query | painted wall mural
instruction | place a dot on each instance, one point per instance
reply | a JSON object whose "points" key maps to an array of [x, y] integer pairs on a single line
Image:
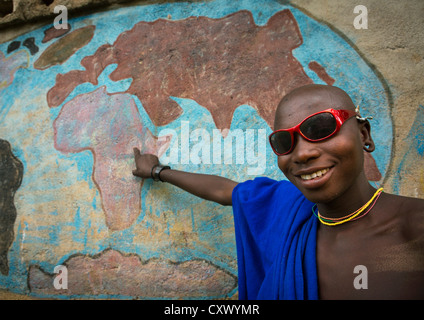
{"points": [[196, 84]]}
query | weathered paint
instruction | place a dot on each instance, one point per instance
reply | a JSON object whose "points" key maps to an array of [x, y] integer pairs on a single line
{"points": [[61, 50], [409, 166]]}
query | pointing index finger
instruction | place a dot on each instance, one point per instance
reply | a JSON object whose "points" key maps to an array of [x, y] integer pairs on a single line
{"points": [[136, 151]]}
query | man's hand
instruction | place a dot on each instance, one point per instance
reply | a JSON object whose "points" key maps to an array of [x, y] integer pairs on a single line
{"points": [[144, 164]]}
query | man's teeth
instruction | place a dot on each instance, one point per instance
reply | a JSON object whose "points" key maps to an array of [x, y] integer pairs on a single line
{"points": [[314, 175]]}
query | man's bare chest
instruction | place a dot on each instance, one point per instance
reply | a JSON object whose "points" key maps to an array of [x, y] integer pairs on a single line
{"points": [[370, 270]]}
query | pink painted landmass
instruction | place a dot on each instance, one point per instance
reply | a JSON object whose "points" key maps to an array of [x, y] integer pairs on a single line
{"points": [[8, 66], [109, 126], [111, 272]]}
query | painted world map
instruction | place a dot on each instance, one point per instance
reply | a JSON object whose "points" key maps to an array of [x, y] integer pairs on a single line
{"points": [[220, 63], [74, 102]]}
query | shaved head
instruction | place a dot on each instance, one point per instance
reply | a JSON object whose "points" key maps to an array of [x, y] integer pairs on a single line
{"points": [[312, 98]]}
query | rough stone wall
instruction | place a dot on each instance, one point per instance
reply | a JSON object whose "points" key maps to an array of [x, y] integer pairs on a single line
{"points": [[14, 12], [73, 103]]}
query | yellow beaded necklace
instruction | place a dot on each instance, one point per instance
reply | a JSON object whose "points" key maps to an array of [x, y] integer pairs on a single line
{"points": [[349, 217]]}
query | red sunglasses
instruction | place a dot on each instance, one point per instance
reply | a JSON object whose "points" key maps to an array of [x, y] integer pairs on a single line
{"points": [[316, 127]]}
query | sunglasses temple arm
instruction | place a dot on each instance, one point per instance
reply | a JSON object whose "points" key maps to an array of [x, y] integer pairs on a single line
{"points": [[364, 118], [359, 117]]}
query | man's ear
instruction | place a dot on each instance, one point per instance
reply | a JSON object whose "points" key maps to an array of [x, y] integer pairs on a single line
{"points": [[367, 141]]}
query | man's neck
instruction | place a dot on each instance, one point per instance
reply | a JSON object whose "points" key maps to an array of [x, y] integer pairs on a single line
{"points": [[348, 202]]}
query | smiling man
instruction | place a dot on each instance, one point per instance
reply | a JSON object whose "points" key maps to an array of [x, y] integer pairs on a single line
{"points": [[305, 238]]}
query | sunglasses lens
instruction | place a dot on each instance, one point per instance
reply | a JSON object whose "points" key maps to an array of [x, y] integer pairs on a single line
{"points": [[281, 141], [319, 126]]}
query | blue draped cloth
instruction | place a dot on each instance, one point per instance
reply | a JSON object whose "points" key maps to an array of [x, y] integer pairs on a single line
{"points": [[276, 241]]}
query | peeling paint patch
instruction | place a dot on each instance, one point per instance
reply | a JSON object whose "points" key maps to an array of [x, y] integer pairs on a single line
{"points": [[64, 48]]}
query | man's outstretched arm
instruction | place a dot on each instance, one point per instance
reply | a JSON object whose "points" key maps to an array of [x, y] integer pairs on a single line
{"points": [[205, 186]]}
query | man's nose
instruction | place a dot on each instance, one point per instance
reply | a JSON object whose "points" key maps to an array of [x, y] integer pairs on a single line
{"points": [[304, 150]]}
